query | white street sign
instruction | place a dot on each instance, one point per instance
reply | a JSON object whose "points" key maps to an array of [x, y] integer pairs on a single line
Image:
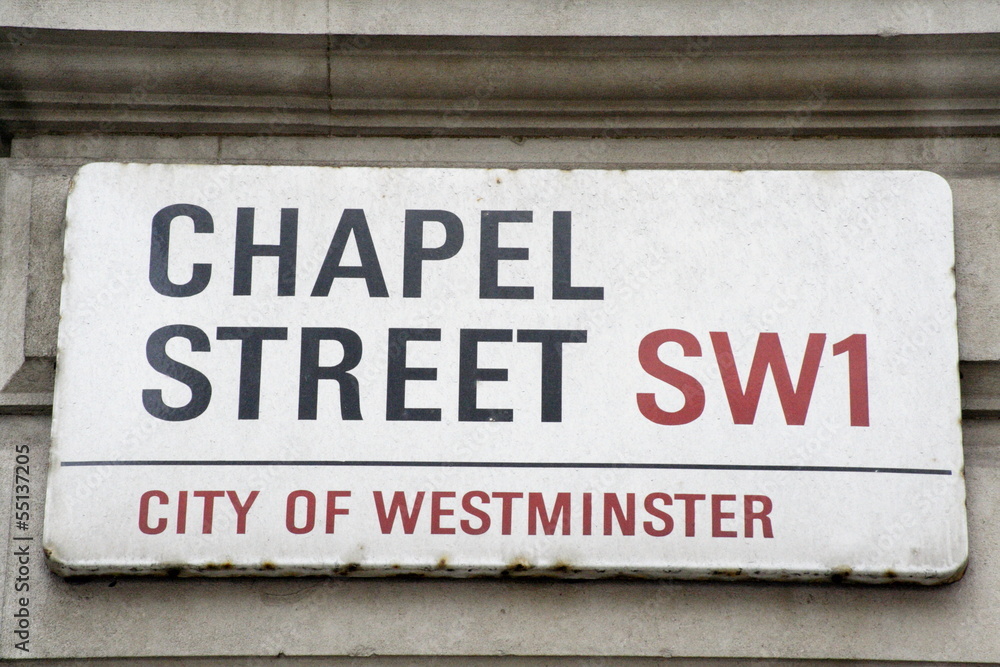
{"points": [[486, 371]]}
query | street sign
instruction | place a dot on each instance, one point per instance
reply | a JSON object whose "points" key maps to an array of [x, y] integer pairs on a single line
{"points": [[583, 373]]}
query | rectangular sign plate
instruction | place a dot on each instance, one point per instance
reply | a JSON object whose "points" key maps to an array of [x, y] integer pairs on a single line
{"points": [[456, 372]]}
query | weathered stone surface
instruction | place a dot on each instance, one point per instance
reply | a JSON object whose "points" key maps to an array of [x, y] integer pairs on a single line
{"points": [[30, 277], [48, 210], [520, 17], [977, 258], [15, 208]]}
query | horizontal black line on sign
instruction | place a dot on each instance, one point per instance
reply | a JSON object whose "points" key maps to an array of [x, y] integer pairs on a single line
{"points": [[520, 464]]}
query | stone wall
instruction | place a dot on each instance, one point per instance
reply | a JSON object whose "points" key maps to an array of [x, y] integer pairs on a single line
{"points": [[719, 85]]}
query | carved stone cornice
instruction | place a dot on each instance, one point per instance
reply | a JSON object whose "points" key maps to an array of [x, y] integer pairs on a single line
{"points": [[67, 81]]}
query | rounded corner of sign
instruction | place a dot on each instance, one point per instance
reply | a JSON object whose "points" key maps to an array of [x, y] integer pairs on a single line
{"points": [[934, 181], [57, 565], [84, 173], [952, 574], [86, 169]]}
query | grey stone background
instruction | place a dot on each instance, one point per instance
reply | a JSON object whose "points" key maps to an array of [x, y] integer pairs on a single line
{"points": [[775, 84]]}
